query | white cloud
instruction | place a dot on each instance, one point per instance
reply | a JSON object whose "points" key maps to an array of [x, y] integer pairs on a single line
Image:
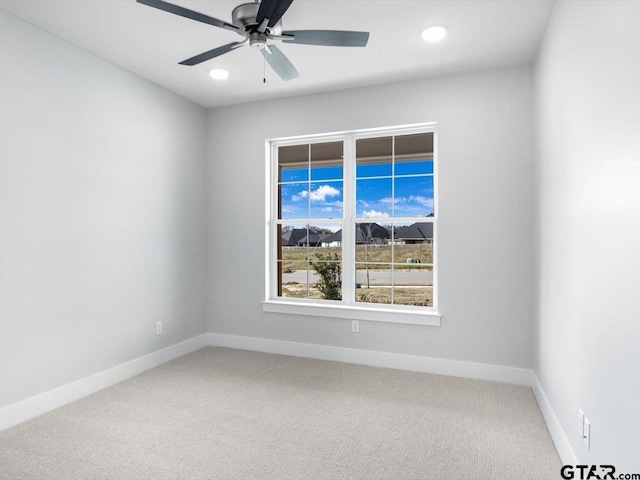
{"points": [[420, 200], [327, 209], [322, 192], [374, 214], [300, 196], [389, 200]]}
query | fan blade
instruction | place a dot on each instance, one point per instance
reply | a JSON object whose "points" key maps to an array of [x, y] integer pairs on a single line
{"points": [[216, 52], [329, 38], [280, 63], [184, 12], [273, 10]]}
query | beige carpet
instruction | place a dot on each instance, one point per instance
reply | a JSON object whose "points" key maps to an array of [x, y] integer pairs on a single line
{"points": [[229, 414]]}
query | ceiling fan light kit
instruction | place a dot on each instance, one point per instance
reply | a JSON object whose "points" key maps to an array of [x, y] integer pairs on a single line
{"points": [[435, 33], [259, 24], [218, 74]]}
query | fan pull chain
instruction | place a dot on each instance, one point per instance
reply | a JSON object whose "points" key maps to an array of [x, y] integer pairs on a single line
{"points": [[264, 70]]}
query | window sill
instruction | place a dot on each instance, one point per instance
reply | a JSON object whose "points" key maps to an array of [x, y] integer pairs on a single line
{"points": [[373, 314]]}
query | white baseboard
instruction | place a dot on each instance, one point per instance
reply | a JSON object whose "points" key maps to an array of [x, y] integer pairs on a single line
{"points": [[558, 435], [455, 368], [32, 407]]}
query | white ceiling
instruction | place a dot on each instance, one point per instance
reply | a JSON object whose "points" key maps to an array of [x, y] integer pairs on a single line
{"points": [[483, 34]]}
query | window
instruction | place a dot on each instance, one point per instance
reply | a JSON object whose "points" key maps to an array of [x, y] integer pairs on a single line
{"points": [[351, 225]]}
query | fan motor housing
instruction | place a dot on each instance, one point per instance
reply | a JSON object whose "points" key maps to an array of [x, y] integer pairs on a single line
{"points": [[244, 17], [257, 40], [245, 14]]}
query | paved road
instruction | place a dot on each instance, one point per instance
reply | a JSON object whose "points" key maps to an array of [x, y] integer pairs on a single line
{"points": [[378, 277]]}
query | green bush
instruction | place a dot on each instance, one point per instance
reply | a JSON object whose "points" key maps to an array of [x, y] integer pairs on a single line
{"points": [[330, 272]]}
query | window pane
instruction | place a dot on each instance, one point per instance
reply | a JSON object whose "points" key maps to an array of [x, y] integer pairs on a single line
{"points": [[413, 243], [373, 243], [413, 196], [326, 200], [373, 283], [414, 167], [373, 157], [294, 242], [413, 286], [325, 254], [324, 242], [294, 200], [326, 161], [414, 154], [294, 283], [325, 280], [293, 163], [373, 198], [333, 241], [293, 174], [417, 296]]}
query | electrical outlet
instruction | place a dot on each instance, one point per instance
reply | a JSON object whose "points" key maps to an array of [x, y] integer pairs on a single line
{"points": [[158, 328], [355, 326], [580, 422], [586, 434]]}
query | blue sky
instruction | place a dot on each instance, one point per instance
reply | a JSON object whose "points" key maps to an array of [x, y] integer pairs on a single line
{"points": [[413, 194]]}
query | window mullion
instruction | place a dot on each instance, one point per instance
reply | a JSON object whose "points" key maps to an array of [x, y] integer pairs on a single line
{"points": [[348, 227], [393, 215], [308, 219], [272, 226]]}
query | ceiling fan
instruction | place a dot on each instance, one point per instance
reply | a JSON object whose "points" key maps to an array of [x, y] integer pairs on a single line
{"points": [[259, 24]]}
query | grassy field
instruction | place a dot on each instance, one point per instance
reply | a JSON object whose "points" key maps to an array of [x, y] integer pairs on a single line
{"points": [[373, 254]]}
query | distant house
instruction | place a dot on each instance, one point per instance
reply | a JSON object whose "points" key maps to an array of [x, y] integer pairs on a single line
{"points": [[297, 237], [374, 233], [312, 240], [293, 236], [333, 240], [416, 234]]}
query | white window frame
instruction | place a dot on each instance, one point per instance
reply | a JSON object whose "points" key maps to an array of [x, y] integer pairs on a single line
{"points": [[347, 307]]}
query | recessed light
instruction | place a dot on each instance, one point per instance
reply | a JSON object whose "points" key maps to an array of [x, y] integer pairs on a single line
{"points": [[219, 74], [435, 33]]}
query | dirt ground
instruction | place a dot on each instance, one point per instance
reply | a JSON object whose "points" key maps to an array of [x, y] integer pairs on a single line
{"points": [[420, 296]]}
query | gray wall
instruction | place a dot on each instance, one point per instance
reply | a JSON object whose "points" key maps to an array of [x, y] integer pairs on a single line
{"points": [[588, 331], [486, 209], [102, 214]]}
